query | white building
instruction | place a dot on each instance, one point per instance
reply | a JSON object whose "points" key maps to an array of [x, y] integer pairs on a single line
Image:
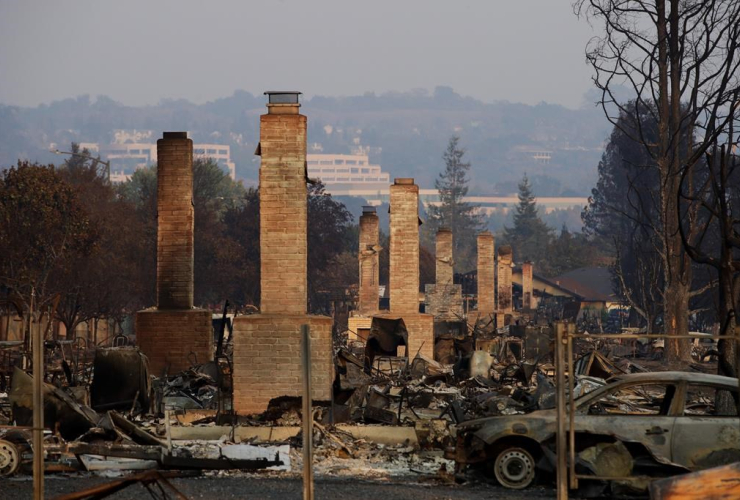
{"points": [[126, 158], [343, 174]]}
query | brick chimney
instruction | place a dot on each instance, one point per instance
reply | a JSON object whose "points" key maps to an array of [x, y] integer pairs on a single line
{"points": [[175, 221], [267, 353], [283, 207], [444, 257], [486, 274], [527, 286], [505, 259], [404, 251], [368, 255], [174, 334]]}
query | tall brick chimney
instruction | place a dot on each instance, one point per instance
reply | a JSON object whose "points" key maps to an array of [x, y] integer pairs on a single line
{"points": [[527, 286], [368, 255], [267, 354], [174, 332], [505, 259], [404, 267], [404, 251], [283, 208], [175, 221], [486, 274], [444, 257]]}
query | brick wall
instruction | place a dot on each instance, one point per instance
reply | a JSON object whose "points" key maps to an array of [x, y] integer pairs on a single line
{"points": [[444, 302], [283, 213], [168, 337], [361, 325], [420, 328], [527, 286], [267, 359], [486, 274], [404, 251], [369, 264], [444, 257], [504, 279], [175, 221]]}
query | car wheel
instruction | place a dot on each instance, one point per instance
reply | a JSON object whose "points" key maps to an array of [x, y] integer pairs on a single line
{"points": [[514, 468], [10, 458]]}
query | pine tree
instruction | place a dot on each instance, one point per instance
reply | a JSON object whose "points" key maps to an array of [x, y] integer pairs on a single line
{"points": [[530, 235], [452, 212]]}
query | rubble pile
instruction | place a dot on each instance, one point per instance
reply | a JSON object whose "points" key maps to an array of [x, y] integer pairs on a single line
{"points": [[390, 416]]}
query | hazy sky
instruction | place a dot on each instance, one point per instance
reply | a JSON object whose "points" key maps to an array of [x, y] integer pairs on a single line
{"points": [[140, 51]]}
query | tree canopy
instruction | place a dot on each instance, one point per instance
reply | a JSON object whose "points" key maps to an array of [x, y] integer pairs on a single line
{"points": [[453, 212], [530, 236]]}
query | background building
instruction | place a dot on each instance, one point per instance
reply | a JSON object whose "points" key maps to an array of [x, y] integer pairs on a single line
{"points": [[126, 156]]}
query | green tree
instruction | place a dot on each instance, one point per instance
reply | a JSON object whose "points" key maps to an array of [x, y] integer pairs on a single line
{"points": [[453, 212], [530, 236], [569, 251]]}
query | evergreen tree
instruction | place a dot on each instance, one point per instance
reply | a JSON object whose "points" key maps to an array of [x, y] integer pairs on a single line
{"points": [[530, 236], [452, 212]]}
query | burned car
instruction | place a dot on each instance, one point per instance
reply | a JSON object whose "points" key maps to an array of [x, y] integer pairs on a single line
{"points": [[663, 422]]}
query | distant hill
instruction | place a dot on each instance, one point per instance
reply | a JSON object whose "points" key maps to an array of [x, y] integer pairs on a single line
{"points": [[405, 132]]}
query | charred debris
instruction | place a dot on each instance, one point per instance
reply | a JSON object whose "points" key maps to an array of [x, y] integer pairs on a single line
{"points": [[104, 409]]}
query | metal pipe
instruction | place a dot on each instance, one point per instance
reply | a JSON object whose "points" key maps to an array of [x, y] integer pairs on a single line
{"points": [[38, 406], [562, 473], [307, 415]]}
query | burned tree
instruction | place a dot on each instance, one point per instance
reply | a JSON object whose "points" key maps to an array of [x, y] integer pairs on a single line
{"points": [[680, 61], [710, 199]]}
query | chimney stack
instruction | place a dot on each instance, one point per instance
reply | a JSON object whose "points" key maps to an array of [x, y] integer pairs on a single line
{"points": [[283, 206], [267, 353], [175, 221], [505, 259], [174, 332], [527, 286], [368, 255], [445, 264], [486, 274], [404, 251]]}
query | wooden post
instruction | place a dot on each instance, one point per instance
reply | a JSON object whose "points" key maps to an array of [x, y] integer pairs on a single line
{"points": [[562, 472], [38, 405], [307, 415], [570, 329]]}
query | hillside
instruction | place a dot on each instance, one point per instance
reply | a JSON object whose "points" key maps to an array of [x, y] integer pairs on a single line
{"points": [[404, 132]]}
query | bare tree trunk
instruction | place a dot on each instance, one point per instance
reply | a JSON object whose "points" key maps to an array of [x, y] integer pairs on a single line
{"points": [[676, 322], [727, 365]]}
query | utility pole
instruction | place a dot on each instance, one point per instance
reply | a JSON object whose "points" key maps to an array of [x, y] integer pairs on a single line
{"points": [[307, 415], [38, 405]]}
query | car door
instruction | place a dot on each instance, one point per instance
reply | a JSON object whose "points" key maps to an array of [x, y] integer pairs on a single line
{"points": [[703, 437], [638, 412]]}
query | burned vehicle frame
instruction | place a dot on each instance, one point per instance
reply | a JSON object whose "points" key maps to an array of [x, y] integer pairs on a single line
{"points": [[665, 420]]}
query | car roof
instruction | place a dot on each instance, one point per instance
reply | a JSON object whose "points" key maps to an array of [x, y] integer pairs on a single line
{"points": [[676, 376]]}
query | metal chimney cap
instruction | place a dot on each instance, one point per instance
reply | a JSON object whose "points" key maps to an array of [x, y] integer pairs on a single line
{"points": [[174, 135], [283, 96], [368, 209]]}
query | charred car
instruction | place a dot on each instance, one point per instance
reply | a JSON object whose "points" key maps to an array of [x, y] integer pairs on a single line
{"points": [[664, 422]]}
